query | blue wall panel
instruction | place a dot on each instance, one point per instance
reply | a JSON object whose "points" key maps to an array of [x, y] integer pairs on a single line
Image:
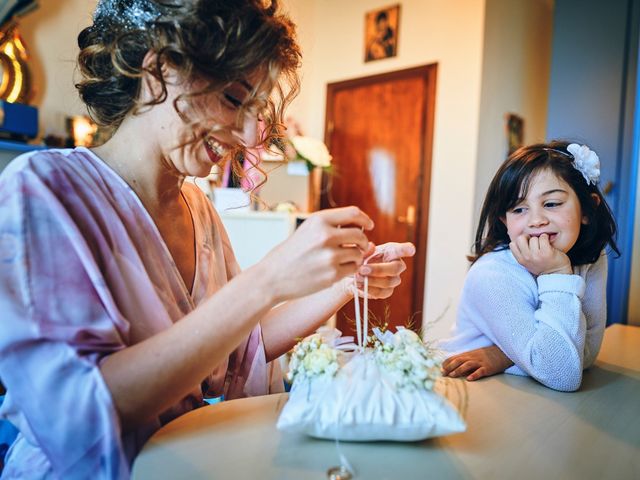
{"points": [[592, 100]]}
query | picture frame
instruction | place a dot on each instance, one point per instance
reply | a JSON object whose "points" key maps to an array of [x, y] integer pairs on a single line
{"points": [[381, 33], [514, 126]]}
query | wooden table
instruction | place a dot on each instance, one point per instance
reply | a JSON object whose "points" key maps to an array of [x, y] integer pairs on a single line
{"points": [[517, 429]]}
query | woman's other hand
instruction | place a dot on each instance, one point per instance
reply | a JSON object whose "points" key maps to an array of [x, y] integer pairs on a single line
{"points": [[384, 266], [328, 246], [475, 364]]}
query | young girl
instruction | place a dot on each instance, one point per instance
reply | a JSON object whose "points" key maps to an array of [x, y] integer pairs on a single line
{"points": [[534, 300]]}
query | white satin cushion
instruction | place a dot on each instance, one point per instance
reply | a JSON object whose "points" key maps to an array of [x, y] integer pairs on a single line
{"points": [[361, 403]]}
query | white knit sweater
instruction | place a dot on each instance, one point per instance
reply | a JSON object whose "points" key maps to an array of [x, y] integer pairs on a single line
{"points": [[551, 327]]}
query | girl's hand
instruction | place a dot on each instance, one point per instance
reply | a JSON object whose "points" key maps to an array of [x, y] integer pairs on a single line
{"points": [[537, 255], [475, 364], [383, 268], [328, 246]]}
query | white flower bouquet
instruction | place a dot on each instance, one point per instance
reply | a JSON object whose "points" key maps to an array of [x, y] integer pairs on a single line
{"points": [[312, 151], [406, 359], [312, 357], [381, 389]]}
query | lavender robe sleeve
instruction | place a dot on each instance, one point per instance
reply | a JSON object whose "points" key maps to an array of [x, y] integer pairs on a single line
{"points": [[55, 326]]}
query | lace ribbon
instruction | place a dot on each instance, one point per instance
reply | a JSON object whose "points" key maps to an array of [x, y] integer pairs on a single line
{"points": [[362, 321], [345, 469]]}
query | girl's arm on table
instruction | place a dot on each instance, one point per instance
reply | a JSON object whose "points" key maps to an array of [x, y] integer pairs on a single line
{"points": [[543, 336], [477, 363]]}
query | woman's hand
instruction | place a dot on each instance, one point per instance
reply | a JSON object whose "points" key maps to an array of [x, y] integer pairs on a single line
{"points": [[328, 246], [300, 317], [383, 267], [537, 255], [475, 364]]}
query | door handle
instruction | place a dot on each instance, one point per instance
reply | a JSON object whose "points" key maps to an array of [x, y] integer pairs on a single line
{"points": [[410, 217]]}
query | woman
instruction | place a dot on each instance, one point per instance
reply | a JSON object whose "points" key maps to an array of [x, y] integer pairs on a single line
{"points": [[122, 302]]}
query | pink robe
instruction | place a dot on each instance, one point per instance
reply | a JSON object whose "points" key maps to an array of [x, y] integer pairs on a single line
{"points": [[84, 273]]}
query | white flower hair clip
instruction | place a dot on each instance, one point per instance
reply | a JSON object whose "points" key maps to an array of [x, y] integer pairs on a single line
{"points": [[586, 161]]}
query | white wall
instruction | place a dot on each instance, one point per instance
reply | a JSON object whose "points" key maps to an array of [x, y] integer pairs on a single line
{"points": [[281, 186], [515, 79], [50, 33], [431, 31]]}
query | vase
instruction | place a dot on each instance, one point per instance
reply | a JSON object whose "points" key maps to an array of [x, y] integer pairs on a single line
{"points": [[315, 189]]}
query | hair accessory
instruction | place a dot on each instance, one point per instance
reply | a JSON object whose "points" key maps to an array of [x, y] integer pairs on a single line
{"points": [[586, 161], [126, 14]]}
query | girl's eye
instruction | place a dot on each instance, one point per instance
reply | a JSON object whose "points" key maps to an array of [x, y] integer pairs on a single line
{"points": [[552, 204], [517, 210]]}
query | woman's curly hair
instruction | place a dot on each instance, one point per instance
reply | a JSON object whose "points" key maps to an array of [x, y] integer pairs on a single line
{"points": [[220, 41]]}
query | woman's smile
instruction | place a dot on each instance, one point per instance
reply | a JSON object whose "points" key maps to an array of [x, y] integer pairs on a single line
{"points": [[215, 150]]}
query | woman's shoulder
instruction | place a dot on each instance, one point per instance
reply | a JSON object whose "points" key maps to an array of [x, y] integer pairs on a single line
{"points": [[72, 182], [27, 161], [44, 164]]}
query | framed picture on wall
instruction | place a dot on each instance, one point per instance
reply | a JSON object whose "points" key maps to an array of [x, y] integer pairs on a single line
{"points": [[381, 33], [515, 132]]}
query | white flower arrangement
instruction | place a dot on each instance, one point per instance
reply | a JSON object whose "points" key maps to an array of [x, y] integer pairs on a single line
{"points": [[312, 151], [312, 357], [403, 355], [586, 161], [407, 359]]}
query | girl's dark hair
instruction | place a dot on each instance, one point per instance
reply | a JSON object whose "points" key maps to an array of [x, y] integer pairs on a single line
{"points": [[511, 184], [220, 41]]}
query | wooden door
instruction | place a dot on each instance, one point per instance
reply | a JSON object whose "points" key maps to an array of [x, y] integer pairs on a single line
{"points": [[379, 130]]}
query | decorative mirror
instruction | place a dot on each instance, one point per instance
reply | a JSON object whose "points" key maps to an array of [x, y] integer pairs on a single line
{"points": [[15, 79]]}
